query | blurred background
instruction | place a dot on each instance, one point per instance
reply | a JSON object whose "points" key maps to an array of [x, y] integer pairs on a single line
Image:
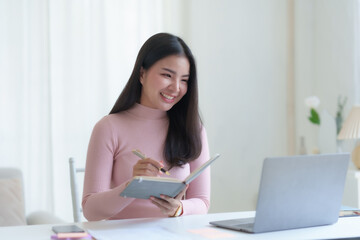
{"points": [[64, 63]]}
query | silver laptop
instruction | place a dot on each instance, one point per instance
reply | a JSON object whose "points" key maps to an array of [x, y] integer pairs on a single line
{"points": [[296, 192]]}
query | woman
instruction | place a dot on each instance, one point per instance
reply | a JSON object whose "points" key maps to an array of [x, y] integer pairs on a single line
{"points": [[157, 113]]}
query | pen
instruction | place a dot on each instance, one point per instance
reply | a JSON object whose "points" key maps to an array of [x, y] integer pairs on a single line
{"points": [[142, 156]]}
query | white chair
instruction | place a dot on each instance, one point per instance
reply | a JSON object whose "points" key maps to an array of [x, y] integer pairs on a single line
{"points": [[77, 210], [12, 202]]}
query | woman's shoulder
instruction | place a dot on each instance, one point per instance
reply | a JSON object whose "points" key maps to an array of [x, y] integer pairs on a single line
{"points": [[112, 117], [108, 121], [203, 132], [110, 126]]}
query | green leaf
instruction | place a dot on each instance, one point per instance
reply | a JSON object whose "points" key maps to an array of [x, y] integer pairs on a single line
{"points": [[314, 117]]}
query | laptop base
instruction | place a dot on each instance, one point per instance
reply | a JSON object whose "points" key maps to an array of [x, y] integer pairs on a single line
{"points": [[240, 224]]}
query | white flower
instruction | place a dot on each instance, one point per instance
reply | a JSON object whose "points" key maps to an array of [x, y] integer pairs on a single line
{"points": [[312, 102]]}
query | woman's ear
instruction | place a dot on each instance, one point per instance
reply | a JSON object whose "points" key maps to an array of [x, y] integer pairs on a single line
{"points": [[142, 72]]}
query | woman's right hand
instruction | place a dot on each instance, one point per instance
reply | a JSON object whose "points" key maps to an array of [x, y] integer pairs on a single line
{"points": [[147, 167]]}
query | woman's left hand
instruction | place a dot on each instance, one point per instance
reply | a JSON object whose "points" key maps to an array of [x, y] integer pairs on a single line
{"points": [[168, 205]]}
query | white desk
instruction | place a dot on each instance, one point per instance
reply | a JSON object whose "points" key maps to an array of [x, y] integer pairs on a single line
{"points": [[187, 227]]}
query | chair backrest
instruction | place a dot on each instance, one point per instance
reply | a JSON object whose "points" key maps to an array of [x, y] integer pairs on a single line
{"points": [[75, 195]]}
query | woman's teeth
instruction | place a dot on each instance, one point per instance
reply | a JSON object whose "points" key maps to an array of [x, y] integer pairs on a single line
{"points": [[167, 96]]}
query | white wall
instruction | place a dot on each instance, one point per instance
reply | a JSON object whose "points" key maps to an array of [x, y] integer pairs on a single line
{"points": [[325, 59], [241, 53], [327, 65]]}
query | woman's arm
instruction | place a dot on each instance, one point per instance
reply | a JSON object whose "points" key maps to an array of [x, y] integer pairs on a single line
{"points": [[99, 200], [198, 193]]}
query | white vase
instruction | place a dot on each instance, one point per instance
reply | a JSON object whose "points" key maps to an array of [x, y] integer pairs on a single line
{"points": [[327, 133]]}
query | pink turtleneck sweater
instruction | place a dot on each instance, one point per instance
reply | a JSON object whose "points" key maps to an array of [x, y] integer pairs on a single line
{"points": [[110, 163]]}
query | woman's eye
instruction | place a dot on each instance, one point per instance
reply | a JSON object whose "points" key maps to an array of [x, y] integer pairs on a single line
{"points": [[185, 80], [166, 75]]}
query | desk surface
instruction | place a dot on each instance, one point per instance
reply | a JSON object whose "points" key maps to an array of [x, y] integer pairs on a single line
{"points": [[187, 227]]}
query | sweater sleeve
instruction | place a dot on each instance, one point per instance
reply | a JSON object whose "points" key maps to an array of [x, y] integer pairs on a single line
{"points": [[198, 193], [101, 201]]}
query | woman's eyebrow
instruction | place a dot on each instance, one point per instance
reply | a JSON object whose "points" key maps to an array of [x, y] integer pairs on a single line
{"points": [[173, 72]]}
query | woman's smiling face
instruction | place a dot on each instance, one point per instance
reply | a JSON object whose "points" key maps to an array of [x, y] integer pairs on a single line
{"points": [[165, 82]]}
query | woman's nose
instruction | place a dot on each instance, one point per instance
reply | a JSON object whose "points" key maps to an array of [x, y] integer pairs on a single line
{"points": [[175, 85]]}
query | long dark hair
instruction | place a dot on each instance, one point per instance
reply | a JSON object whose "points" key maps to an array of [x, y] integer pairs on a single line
{"points": [[183, 140]]}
